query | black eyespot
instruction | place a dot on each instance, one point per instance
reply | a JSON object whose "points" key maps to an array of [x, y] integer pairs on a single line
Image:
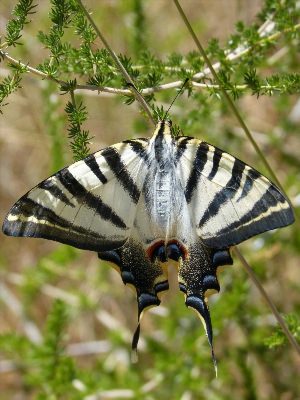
{"points": [[222, 257], [127, 277], [111, 256], [160, 253], [174, 252], [146, 300], [211, 282]]}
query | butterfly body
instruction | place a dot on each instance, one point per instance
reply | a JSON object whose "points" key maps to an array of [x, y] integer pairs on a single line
{"points": [[144, 202]]}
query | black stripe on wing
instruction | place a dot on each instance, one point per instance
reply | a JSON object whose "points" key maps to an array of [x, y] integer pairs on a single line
{"points": [[139, 148], [181, 142], [49, 225], [52, 188], [254, 222], [115, 163], [252, 175], [27, 208], [216, 162], [271, 198], [82, 195], [94, 167], [225, 194], [197, 167]]}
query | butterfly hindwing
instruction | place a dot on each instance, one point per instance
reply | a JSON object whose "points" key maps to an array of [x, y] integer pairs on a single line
{"points": [[91, 204], [140, 271], [229, 200]]}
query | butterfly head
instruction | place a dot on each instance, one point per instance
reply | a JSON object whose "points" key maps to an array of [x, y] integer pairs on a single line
{"points": [[165, 122], [162, 131]]}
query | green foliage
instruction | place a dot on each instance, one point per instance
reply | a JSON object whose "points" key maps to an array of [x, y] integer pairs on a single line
{"points": [[80, 138], [14, 27], [278, 337], [252, 81], [9, 85], [45, 366], [283, 83], [283, 12], [70, 41], [56, 371], [47, 271], [158, 112], [174, 358]]}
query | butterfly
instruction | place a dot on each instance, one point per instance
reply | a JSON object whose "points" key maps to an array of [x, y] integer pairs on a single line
{"points": [[143, 202]]}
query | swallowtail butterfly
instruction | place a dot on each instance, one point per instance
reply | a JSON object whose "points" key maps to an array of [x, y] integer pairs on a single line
{"points": [[143, 202]]}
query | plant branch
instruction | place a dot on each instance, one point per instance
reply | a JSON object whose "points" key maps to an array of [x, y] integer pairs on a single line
{"points": [[231, 56], [34, 71], [120, 66]]}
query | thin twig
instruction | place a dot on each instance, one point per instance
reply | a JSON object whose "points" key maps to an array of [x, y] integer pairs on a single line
{"points": [[30, 69], [268, 300], [118, 63], [226, 95]]}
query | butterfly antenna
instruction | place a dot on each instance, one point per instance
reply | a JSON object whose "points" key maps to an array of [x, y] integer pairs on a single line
{"points": [[178, 94]]}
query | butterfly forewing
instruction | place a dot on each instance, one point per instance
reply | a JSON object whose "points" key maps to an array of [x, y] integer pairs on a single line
{"points": [[90, 204], [229, 200]]}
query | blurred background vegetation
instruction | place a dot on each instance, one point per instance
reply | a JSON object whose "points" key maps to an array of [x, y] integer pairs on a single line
{"points": [[66, 319]]}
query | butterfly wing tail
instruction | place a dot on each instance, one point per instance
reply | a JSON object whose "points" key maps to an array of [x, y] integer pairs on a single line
{"points": [[198, 303], [198, 279], [146, 276]]}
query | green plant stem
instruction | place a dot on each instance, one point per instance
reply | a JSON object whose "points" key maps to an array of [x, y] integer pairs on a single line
{"points": [[226, 95], [268, 300], [120, 66], [73, 98]]}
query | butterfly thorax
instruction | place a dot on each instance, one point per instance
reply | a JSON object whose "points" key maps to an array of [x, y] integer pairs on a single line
{"points": [[164, 204], [162, 146]]}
